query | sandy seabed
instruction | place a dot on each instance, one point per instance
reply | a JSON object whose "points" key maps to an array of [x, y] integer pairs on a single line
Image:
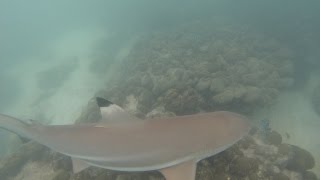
{"points": [[65, 105], [294, 117]]}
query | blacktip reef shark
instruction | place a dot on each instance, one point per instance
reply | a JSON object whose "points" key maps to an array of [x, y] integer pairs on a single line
{"points": [[171, 145]]}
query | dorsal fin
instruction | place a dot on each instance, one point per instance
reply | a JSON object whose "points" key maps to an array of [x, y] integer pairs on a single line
{"points": [[103, 102], [111, 112]]}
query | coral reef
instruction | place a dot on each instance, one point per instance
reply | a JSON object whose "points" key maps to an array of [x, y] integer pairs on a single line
{"points": [[36, 162], [35, 171], [205, 66], [255, 158], [11, 165]]}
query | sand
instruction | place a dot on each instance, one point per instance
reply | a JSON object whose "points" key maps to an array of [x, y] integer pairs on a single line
{"points": [[293, 115]]}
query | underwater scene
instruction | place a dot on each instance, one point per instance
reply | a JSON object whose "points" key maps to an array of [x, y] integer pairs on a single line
{"points": [[159, 90]]}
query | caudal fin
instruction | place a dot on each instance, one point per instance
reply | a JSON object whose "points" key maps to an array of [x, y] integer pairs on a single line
{"points": [[16, 126]]}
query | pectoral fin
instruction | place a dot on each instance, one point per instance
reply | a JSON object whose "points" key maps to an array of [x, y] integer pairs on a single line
{"points": [[183, 171], [79, 165]]}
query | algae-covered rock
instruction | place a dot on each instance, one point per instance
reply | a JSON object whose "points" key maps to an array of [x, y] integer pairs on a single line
{"points": [[308, 175], [59, 161], [226, 69], [280, 176], [62, 175], [181, 103], [91, 114], [244, 166], [301, 160], [274, 138], [298, 159], [203, 84], [12, 164]]}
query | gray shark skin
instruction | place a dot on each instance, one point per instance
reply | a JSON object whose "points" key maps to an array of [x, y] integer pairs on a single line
{"points": [[170, 145]]}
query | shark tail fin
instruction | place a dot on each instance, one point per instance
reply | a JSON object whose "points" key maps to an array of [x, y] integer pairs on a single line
{"points": [[16, 126]]}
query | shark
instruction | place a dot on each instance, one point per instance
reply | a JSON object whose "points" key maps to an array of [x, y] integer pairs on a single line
{"points": [[122, 142]]}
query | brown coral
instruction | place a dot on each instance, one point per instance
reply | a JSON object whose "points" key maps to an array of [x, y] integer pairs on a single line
{"points": [[223, 66]]}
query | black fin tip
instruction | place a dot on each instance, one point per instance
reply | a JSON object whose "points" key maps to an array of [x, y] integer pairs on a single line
{"points": [[103, 102]]}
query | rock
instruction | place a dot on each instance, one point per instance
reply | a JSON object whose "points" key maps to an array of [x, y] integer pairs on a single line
{"points": [[284, 149], [146, 98], [253, 95], [224, 97], [161, 85], [181, 103], [272, 170], [159, 112], [300, 160], [123, 177], [147, 82], [62, 175], [91, 114], [244, 166], [221, 176], [203, 84], [217, 85], [133, 176], [308, 175], [59, 161], [11, 165], [105, 175], [280, 176], [274, 138]]}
